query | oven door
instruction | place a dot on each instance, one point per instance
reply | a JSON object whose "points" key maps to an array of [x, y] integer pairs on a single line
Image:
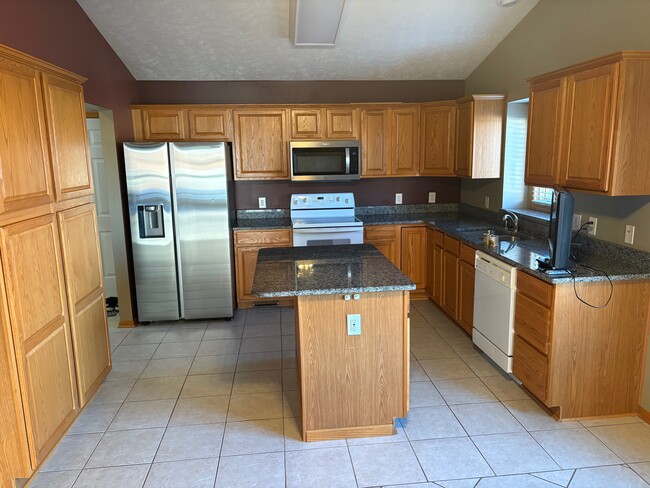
{"points": [[327, 236]]}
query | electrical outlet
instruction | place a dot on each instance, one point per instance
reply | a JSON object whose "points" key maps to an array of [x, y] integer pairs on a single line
{"points": [[432, 197], [261, 201], [354, 324], [487, 202], [591, 230], [577, 221], [398, 198], [629, 234]]}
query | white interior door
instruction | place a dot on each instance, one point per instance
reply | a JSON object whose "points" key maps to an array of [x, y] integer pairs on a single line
{"points": [[101, 200]]}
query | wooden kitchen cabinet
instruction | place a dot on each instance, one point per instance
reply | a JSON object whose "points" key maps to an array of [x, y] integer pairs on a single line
{"points": [[437, 263], [85, 294], [374, 142], [450, 267], [404, 141], [588, 126], [324, 123], [66, 120], [437, 139], [24, 153], [209, 124], [305, 123], [261, 144], [479, 133], [577, 360], [35, 290], [414, 257], [386, 238], [466, 288], [247, 245], [162, 124], [342, 123]]}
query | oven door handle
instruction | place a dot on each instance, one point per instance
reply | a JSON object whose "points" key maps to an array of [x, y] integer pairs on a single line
{"points": [[323, 230], [347, 160]]}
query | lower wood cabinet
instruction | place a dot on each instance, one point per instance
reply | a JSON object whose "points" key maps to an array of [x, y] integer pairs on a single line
{"points": [[436, 262], [386, 238], [35, 293], [466, 288], [414, 257], [247, 245], [450, 266]]}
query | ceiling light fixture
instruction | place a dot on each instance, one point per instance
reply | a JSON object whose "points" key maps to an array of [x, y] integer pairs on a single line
{"points": [[506, 3], [315, 23]]}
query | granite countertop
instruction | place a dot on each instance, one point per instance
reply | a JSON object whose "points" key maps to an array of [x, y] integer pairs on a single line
{"points": [[262, 224], [325, 270]]}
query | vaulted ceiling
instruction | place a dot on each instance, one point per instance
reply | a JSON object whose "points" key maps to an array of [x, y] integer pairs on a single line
{"points": [[249, 39]]}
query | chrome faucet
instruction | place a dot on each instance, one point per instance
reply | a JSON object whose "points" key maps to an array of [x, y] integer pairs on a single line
{"points": [[515, 220]]}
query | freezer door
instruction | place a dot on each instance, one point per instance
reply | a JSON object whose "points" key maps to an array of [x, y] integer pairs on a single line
{"points": [[203, 229], [152, 230]]}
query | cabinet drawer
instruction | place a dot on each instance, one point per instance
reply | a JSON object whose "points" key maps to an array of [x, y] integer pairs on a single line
{"points": [[535, 289], [452, 245], [438, 238], [257, 237], [374, 232], [531, 368], [467, 254], [533, 323]]}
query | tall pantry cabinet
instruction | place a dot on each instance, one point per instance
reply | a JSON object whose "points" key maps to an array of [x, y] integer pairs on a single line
{"points": [[54, 349]]}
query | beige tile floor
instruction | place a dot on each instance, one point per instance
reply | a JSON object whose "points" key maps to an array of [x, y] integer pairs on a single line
{"points": [[204, 404]]}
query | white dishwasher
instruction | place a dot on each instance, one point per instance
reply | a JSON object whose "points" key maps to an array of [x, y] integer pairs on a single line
{"points": [[495, 285]]}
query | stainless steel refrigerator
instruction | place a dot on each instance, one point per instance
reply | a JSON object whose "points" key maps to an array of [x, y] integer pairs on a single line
{"points": [[181, 212]]}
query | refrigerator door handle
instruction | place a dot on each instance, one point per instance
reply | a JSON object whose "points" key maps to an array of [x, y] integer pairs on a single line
{"points": [[177, 241]]}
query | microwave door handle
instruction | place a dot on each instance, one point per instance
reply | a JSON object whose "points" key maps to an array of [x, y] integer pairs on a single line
{"points": [[347, 160]]}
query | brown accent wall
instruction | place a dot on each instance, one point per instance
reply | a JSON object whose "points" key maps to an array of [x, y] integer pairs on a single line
{"points": [[369, 191], [298, 91], [60, 32]]}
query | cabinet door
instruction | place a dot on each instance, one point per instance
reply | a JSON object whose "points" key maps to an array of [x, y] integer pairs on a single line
{"points": [[24, 158], [450, 264], [464, 138], [545, 119], [36, 298], [437, 136], [342, 123], [83, 273], [374, 143], [466, 300], [246, 262], [438, 274], [164, 124], [588, 140], [405, 137], [260, 145], [387, 239], [305, 124], [207, 124], [429, 265], [66, 117], [414, 255]]}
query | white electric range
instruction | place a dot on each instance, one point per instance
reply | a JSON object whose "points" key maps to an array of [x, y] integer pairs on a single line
{"points": [[320, 219]]}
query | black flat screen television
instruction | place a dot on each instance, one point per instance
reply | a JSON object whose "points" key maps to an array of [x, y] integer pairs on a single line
{"points": [[559, 233]]}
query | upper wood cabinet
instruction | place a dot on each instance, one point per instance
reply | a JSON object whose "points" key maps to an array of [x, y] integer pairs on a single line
{"points": [[85, 293], [35, 290], [374, 142], [164, 124], [324, 123], [66, 117], [341, 123], [588, 126], [479, 134], [404, 140], [305, 123], [437, 139], [261, 144], [209, 124], [24, 156]]}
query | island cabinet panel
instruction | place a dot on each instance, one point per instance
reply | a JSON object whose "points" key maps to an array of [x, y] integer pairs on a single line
{"points": [[209, 124], [374, 142], [386, 238], [261, 144], [24, 155], [66, 118], [85, 292], [352, 385], [414, 257], [35, 290], [247, 244], [578, 360], [437, 139]]}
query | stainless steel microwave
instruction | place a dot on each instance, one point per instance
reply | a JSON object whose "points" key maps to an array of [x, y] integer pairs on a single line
{"points": [[324, 160]]}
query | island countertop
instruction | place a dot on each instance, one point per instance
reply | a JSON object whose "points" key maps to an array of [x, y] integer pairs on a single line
{"points": [[325, 270]]}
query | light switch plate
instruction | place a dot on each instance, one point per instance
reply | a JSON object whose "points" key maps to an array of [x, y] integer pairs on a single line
{"points": [[261, 202], [398, 198], [354, 324], [432, 197]]}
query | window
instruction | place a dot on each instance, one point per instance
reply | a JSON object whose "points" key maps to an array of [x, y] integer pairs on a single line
{"points": [[539, 198]]}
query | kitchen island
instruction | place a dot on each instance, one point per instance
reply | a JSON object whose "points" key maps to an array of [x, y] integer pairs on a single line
{"points": [[352, 335]]}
